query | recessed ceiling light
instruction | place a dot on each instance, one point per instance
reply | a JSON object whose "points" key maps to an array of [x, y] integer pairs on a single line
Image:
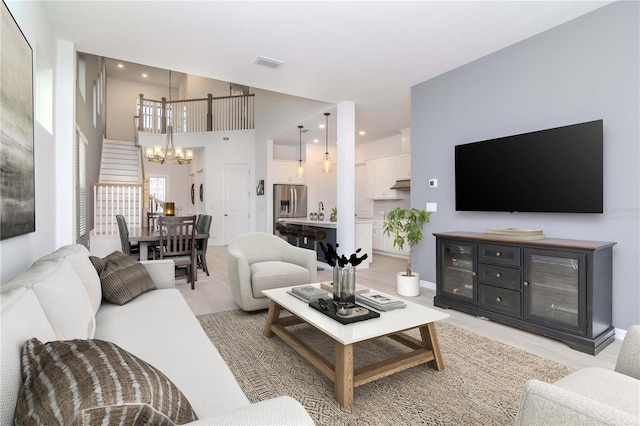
{"points": [[321, 126], [316, 141], [144, 75], [361, 133], [120, 66]]}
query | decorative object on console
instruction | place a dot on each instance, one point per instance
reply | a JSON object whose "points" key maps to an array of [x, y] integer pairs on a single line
{"points": [[515, 234], [344, 274], [379, 301], [326, 160], [308, 293], [334, 214], [169, 209], [17, 194], [109, 386], [406, 227], [341, 314], [328, 286], [170, 154], [300, 167]]}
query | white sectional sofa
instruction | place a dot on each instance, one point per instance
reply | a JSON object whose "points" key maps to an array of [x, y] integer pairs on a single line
{"points": [[59, 298]]}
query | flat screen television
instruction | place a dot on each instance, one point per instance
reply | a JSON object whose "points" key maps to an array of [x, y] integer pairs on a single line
{"points": [[557, 170]]}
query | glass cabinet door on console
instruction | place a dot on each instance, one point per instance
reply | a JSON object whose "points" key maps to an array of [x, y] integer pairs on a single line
{"points": [[555, 289], [458, 270]]}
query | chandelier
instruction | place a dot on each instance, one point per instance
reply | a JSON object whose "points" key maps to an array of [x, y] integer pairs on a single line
{"points": [[170, 154]]}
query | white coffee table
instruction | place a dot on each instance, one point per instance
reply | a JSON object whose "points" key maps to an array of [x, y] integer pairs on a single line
{"points": [[390, 324]]}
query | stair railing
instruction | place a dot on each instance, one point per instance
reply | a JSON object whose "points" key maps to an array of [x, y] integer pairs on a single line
{"points": [[196, 115], [110, 200]]}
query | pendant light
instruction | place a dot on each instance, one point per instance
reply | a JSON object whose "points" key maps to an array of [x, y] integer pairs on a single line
{"points": [[171, 154], [326, 160], [300, 168]]}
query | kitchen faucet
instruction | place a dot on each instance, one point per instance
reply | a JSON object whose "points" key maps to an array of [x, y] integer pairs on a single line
{"points": [[320, 207]]}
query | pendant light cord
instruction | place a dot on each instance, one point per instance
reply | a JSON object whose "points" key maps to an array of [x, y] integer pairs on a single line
{"points": [[326, 138], [300, 150]]}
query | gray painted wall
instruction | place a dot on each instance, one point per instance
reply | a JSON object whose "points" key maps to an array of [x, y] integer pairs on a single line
{"points": [[584, 70]]}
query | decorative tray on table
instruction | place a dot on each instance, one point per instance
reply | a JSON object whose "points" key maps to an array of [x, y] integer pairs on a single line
{"points": [[355, 314]]}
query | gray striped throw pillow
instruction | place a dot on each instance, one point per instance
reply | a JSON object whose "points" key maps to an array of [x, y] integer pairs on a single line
{"points": [[122, 277], [93, 382]]}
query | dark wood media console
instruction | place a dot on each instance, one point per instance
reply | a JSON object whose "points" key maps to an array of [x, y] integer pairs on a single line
{"points": [[554, 287]]}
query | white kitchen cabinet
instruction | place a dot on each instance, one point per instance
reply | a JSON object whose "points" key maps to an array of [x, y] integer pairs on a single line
{"points": [[403, 166], [389, 247], [384, 243], [285, 172], [363, 240], [381, 176], [378, 238], [364, 205]]}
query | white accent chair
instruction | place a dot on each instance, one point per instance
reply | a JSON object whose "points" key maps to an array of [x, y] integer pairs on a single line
{"points": [[259, 261], [589, 396]]}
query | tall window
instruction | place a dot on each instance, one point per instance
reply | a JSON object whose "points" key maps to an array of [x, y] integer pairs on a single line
{"points": [[158, 187], [95, 103], [80, 160], [82, 75]]}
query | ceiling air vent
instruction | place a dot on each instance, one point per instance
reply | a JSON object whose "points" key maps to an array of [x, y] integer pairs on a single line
{"points": [[268, 62]]}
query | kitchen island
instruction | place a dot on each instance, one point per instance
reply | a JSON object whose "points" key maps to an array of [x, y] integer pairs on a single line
{"points": [[363, 236]]}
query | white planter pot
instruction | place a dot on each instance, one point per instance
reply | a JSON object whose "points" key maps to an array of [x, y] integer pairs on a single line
{"points": [[408, 286]]}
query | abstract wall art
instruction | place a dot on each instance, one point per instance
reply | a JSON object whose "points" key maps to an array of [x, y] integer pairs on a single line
{"points": [[17, 180]]}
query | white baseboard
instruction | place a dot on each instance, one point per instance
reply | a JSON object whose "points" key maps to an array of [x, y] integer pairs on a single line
{"points": [[620, 333], [427, 284]]}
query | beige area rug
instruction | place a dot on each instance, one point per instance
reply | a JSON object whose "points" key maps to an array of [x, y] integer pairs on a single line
{"points": [[480, 385]]}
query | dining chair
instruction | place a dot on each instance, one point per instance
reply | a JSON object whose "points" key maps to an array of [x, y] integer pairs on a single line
{"points": [[123, 230], [153, 220], [203, 226], [178, 236]]}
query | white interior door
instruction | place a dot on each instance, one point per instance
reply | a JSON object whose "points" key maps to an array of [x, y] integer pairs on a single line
{"points": [[237, 200]]}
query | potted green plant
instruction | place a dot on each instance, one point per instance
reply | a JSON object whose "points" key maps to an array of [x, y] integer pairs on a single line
{"points": [[405, 225]]}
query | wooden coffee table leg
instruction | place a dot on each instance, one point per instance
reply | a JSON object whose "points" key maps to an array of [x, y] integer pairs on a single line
{"points": [[344, 375], [272, 317], [430, 341]]}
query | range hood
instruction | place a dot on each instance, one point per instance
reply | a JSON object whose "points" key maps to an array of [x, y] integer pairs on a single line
{"points": [[402, 185]]}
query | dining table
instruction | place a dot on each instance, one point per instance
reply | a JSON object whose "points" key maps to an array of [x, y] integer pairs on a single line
{"points": [[143, 236]]}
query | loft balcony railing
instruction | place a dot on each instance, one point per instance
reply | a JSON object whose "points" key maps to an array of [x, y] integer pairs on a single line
{"points": [[196, 115]]}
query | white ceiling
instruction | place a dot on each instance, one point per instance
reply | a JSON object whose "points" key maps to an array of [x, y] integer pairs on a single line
{"points": [[368, 52]]}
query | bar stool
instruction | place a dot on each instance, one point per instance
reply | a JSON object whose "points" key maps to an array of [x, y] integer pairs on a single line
{"points": [[295, 231], [282, 230], [314, 235]]}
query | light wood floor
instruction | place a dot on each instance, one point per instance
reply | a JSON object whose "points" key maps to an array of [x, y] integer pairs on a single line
{"points": [[212, 294]]}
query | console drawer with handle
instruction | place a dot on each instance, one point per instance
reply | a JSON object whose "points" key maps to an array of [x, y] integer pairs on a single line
{"points": [[499, 300], [499, 276], [499, 254]]}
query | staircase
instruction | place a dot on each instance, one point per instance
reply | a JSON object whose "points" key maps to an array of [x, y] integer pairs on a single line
{"points": [[120, 187], [120, 163]]}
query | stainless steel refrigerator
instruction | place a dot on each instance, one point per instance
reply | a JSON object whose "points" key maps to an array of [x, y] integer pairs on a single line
{"points": [[289, 201]]}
